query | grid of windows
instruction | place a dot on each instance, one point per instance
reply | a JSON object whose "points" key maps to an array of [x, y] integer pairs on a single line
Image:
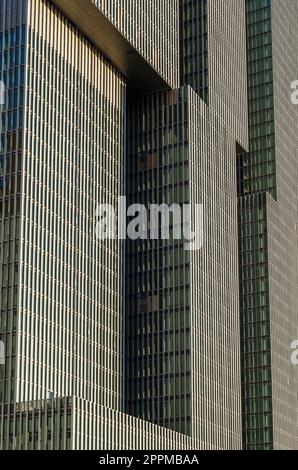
{"points": [[255, 323], [256, 172], [174, 324], [158, 272], [62, 152], [211, 33], [267, 186], [69, 296], [59, 285], [152, 27], [182, 308], [12, 74], [257, 168], [75, 424], [71, 103], [194, 46]]}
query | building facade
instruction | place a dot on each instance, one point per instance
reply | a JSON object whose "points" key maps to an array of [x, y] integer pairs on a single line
{"points": [[63, 148], [182, 312], [112, 345], [267, 189]]}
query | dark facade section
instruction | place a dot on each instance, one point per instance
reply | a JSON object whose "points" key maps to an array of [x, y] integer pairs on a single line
{"points": [[158, 325], [194, 69], [267, 216]]}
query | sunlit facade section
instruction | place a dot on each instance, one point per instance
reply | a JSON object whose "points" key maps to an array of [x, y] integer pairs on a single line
{"points": [[13, 47], [63, 143], [152, 27]]}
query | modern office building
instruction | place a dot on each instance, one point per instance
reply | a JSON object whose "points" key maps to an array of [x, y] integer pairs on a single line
{"points": [[182, 312], [137, 346], [63, 149], [268, 230]]}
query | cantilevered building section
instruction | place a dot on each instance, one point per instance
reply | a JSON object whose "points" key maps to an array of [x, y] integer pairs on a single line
{"points": [[268, 198], [182, 315], [152, 28], [140, 37]]}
